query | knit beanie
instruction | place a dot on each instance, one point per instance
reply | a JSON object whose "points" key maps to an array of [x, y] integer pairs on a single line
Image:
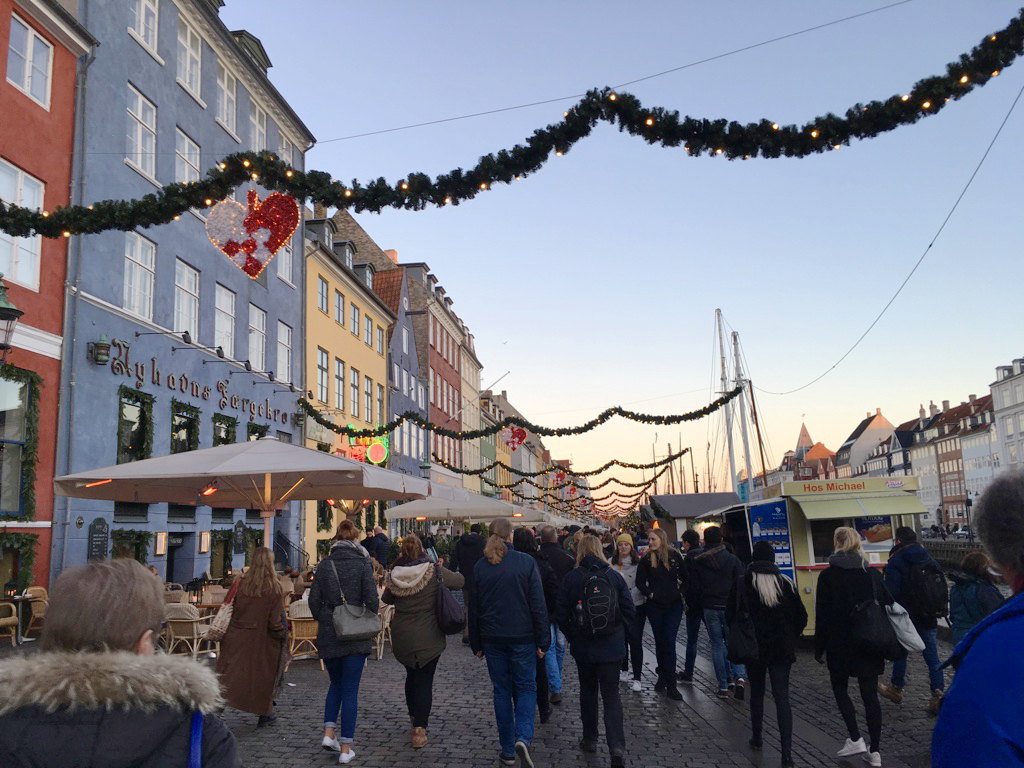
{"points": [[763, 551], [624, 538]]}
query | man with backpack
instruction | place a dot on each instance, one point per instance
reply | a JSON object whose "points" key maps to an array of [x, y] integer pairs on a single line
{"points": [[595, 611], [917, 583], [562, 563]]}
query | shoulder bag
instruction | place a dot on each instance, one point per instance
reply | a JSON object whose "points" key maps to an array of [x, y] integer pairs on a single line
{"points": [[906, 632], [872, 631], [352, 622], [741, 645], [195, 747], [222, 619], [451, 617]]}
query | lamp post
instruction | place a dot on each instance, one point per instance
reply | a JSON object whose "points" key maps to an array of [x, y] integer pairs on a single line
{"points": [[9, 316], [968, 503]]}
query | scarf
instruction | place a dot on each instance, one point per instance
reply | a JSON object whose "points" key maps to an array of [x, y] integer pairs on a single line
{"points": [[848, 560], [353, 545]]}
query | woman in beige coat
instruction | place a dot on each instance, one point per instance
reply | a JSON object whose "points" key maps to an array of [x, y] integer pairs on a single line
{"points": [[416, 638]]}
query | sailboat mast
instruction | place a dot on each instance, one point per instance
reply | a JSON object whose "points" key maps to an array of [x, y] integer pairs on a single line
{"points": [[728, 406], [740, 382]]}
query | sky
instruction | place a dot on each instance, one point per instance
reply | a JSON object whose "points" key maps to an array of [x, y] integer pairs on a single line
{"points": [[595, 281]]}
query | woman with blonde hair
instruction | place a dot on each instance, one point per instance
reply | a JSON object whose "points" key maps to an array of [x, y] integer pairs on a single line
{"points": [[847, 583], [508, 625], [660, 578], [253, 652]]}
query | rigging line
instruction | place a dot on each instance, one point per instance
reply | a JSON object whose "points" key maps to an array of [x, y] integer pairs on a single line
{"points": [[927, 250], [620, 85], [631, 402]]}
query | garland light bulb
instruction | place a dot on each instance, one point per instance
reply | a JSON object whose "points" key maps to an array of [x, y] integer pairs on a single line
{"points": [[964, 79], [404, 185], [612, 97], [650, 121], [927, 105], [814, 133], [996, 73], [905, 97], [288, 174], [348, 193], [245, 163], [775, 126]]}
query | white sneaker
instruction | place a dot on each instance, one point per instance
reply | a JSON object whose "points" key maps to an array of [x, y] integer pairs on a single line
{"points": [[873, 759], [635, 686], [852, 747], [329, 743], [347, 757]]}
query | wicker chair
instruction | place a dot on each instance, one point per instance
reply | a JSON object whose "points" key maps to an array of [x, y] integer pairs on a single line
{"points": [[175, 597], [387, 613], [213, 598], [9, 621], [40, 601], [303, 632], [185, 628]]}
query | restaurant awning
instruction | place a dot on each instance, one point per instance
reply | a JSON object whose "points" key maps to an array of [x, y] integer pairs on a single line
{"points": [[435, 508], [838, 506], [687, 505]]}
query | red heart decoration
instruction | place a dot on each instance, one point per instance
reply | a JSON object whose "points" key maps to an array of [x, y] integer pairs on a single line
{"points": [[252, 238]]}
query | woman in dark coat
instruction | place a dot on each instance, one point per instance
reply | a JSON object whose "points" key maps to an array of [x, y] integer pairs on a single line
{"points": [[253, 651], [416, 638], [346, 571], [973, 596], [524, 541], [778, 616], [598, 658], [660, 578], [845, 584]]}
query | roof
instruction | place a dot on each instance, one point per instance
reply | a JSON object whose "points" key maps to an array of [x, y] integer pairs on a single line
{"points": [[682, 505], [818, 452], [804, 438], [368, 250], [388, 286]]}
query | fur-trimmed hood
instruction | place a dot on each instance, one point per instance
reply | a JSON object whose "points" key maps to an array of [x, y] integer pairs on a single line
{"points": [[406, 580], [76, 682]]}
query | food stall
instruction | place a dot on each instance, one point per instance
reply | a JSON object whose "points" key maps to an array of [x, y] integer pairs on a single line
{"points": [[799, 519]]}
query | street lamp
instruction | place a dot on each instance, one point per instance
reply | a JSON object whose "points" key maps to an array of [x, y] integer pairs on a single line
{"points": [[9, 315], [968, 503]]}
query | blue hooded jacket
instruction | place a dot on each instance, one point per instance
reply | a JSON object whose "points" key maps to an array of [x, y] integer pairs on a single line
{"points": [[979, 722], [897, 576]]}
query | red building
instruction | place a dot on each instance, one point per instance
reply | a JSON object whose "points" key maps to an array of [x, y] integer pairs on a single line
{"points": [[40, 45]]}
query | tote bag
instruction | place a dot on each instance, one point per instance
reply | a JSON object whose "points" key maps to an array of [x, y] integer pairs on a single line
{"points": [[451, 617], [353, 622], [742, 646], [906, 632], [219, 625], [872, 632]]}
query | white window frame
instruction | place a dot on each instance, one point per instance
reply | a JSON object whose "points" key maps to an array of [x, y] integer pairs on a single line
{"points": [[138, 129], [18, 271], [257, 336], [355, 319], [368, 331], [227, 95], [354, 389], [322, 292], [380, 339], [140, 258], [257, 127], [31, 37], [186, 299], [190, 58], [186, 158], [286, 150], [323, 387], [405, 340], [339, 307], [284, 261], [339, 384], [224, 320], [368, 398], [284, 352], [138, 26], [380, 405]]}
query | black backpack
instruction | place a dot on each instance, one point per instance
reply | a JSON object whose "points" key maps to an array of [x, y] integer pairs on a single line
{"points": [[926, 594], [597, 612]]}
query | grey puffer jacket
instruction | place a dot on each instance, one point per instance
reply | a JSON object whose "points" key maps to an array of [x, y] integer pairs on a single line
{"points": [[355, 574]]}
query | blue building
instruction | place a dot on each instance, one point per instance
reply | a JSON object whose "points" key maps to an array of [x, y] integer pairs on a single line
{"points": [[200, 353]]}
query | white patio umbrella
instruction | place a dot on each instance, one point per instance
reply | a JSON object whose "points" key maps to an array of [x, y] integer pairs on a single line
{"points": [[433, 508], [261, 474]]}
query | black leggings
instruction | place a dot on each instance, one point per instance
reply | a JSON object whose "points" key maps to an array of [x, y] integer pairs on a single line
{"points": [[779, 674], [635, 643], [872, 708], [419, 692]]}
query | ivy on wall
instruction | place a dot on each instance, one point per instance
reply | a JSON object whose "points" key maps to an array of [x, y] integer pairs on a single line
{"points": [[256, 431], [135, 541], [229, 425], [24, 547], [30, 450], [145, 403], [190, 412]]}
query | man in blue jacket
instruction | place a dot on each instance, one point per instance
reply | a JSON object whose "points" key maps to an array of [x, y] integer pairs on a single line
{"points": [[980, 722], [905, 560]]}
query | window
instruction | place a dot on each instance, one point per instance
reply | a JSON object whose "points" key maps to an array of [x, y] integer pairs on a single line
{"points": [[13, 435], [184, 427], [355, 319], [141, 133], [19, 256], [321, 375], [256, 431], [226, 103], [405, 381], [354, 399], [430, 324], [368, 395], [405, 340], [339, 384], [368, 336], [224, 320], [284, 352], [139, 259], [186, 158], [430, 383], [190, 53], [186, 299], [29, 62], [257, 128], [134, 415], [368, 278], [321, 295], [422, 396], [380, 404], [284, 261], [380, 340], [144, 20], [257, 337], [225, 429], [286, 151], [339, 308]]}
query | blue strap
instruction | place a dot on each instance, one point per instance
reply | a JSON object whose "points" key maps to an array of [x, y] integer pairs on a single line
{"points": [[195, 752]]}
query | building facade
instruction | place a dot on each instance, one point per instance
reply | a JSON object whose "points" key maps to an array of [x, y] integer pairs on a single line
{"points": [[1008, 404], [42, 44], [200, 353], [470, 368]]}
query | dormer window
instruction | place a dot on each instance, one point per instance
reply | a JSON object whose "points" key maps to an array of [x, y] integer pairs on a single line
{"points": [[368, 278], [328, 238]]}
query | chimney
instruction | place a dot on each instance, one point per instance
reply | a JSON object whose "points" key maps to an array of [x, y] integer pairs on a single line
{"points": [[945, 405], [392, 254], [867, 415], [971, 399], [921, 413], [932, 408], [878, 411], [319, 211]]}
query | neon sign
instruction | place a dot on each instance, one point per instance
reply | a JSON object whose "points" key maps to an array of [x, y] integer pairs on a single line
{"points": [[374, 450]]}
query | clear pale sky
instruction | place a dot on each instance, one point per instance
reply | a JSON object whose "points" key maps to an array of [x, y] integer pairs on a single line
{"points": [[595, 281]]}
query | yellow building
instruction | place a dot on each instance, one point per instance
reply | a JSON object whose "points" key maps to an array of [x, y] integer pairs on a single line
{"points": [[504, 477], [346, 368]]}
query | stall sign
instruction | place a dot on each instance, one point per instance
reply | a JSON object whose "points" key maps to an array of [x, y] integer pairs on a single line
{"points": [[875, 533], [770, 522], [238, 538]]}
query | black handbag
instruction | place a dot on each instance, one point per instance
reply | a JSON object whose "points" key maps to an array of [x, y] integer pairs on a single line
{"points": [[872, 632], [451, 617], [742, 646]]}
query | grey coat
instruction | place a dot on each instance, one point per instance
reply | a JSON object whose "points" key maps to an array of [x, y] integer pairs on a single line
{"points": [[355, 573]]}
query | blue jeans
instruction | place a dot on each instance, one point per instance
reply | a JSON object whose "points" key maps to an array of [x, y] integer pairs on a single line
{"points": [[718, 631], [343, 695], [665, 628], [513, 671], [693, 620], [553, 659], [931, 658]]}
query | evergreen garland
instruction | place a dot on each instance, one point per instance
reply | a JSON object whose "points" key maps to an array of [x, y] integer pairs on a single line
{"points": [[136, 540], [558, 468], [30, 450], [24, 546], [654, 125], [178, 408], [145, 402], [573, 484], [230, 428]]}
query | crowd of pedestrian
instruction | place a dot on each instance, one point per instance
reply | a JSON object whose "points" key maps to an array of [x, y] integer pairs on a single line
{"points": [[528, 596]]}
